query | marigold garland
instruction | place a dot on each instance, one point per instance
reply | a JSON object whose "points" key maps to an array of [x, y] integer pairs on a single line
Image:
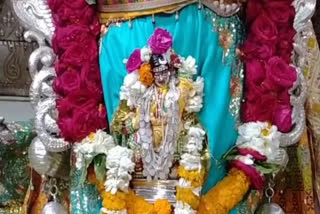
{"points": [[226, 194], [162, 207], [194, 176], [188, 197], [146, 77]]}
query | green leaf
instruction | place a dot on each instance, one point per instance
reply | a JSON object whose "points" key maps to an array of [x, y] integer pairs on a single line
{"points": [[91, 2], [267, 168], [100, 167]]}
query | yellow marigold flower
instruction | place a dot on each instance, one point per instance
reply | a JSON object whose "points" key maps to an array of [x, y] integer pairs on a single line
{"points": [[137, 204], [194, 176], [162, 207], [146, 76], [226, 194], [115, 202], [187, 196]]}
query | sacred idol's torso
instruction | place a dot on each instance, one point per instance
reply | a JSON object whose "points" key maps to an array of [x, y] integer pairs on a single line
{"points": [[157, 119]]}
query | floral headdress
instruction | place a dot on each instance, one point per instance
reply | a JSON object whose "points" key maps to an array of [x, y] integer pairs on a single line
{"points": [[160, 43]]}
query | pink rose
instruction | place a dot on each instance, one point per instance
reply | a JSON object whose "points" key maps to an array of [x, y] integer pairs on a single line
{"points": [[134, 61], [160, 41], [254, 8], [256, 49], [66, 83], [256, 178], [264, 29], [281, 12], [70, 35], [255, 71], [279, 73], [282, 117]]}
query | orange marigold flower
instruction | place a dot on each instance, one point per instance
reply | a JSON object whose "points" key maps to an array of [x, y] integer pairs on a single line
{"points": [[162, 207], [146, 76]]}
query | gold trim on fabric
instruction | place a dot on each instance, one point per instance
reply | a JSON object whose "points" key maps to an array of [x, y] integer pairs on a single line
{"points": [[140, 6], [105, 17]]}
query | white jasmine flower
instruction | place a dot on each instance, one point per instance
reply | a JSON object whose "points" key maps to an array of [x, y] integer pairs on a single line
{"points": [[145, 54], [183, 208]]}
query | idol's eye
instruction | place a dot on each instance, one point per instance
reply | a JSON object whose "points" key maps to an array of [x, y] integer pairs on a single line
{"points": [[162, 60]]}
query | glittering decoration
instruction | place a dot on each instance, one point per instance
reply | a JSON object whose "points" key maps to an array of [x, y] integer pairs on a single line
{"points": [[14, 171], [231, 36], [225, 39], [85, 197]]}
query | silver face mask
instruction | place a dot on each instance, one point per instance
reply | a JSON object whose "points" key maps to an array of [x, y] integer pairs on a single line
{"points": [[160, 70]]}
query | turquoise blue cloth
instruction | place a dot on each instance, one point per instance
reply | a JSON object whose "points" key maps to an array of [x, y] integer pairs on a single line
{"points": [[192, 35]]}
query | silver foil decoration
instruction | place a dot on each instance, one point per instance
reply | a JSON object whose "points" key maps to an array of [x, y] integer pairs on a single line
{"points": [[271, 208], [48, 163], [54, 207], [36, 16], [298, 95], [303, 26]]}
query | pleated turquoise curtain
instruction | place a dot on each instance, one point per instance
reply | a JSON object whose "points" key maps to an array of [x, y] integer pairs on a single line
{"points": [[192, 35]]}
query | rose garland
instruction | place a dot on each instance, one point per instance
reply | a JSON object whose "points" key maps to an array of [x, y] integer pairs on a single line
{"points": [[267, 54], [78, 83]]}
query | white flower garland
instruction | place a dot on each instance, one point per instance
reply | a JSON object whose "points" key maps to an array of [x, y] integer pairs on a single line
{"points": [[191, 160], [120, 166], [94, 144], [261, 137]]}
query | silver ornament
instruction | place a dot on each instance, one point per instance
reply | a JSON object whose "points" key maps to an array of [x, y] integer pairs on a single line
{"points": [[48, 163], [271, 208], [53, 207]]}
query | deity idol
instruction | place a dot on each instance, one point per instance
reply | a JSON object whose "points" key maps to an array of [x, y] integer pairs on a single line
{"points": [[154, 127]]}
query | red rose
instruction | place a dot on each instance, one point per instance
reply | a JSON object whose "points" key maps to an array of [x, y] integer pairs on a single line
{"points": [[282, 117], [281, 12], [255, 71], [82, 98], [264, 29], [75, 4], [285, 44], [70, 35], [68, 16], [256, 49], [87, 120], [61, 67], [95, 26], [54, 5], [254, 8], [90, 78], [258, 106], [65, 108], [66, 83], [279, 73], [80, 53]]}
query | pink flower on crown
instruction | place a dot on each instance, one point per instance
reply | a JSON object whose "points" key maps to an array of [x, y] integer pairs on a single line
{"points": [[134, 61], [160, 41]]}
